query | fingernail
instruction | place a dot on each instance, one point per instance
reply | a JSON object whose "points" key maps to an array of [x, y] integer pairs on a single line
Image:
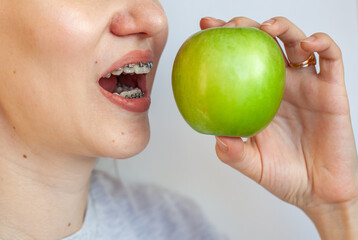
{"points": [[221, 144], [269, 22], [309, 39], [209, 18], [229, 24]]}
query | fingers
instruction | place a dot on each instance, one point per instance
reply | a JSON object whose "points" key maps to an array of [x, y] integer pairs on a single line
{"points": [[298, 48], [330, 56], [209, 22], [242, 22], [290, 35], [241, 156]]}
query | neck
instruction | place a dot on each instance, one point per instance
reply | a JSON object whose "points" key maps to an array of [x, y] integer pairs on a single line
{"points": [[42, 196]]}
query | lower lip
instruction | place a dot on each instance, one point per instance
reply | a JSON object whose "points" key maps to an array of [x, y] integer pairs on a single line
{"points": [[137, 105]]}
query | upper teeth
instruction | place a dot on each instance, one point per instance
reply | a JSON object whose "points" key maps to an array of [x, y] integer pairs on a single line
{"points": [[139, 68]]}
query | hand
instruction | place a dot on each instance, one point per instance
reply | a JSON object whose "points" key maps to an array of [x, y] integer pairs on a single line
{"points": [[307, 155]]}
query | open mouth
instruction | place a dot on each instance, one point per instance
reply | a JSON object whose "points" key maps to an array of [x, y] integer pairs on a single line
{"points": [[128, 81], [125, 82]]}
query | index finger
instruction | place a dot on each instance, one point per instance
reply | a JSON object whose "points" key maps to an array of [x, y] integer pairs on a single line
{"points": [[210, 22]]}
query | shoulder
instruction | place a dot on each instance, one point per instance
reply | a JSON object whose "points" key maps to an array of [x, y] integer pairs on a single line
{"points": [[150, 209]]}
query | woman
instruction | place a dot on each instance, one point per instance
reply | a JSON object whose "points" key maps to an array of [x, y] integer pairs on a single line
{"points": [[58, 68]]}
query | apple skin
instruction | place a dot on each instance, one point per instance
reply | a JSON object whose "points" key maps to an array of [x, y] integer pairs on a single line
{"points": [[229, 81]]}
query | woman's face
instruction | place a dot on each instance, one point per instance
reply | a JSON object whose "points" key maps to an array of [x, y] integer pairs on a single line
{"points": [[53, 54]]}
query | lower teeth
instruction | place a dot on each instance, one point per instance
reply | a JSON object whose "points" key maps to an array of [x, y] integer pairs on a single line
{"points": [[128, 92]]}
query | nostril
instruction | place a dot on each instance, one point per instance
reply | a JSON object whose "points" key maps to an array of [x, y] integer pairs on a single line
{"points": [[122, 25]]}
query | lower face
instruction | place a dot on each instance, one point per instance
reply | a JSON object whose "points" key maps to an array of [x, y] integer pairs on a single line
{"points": [[55, 55]]}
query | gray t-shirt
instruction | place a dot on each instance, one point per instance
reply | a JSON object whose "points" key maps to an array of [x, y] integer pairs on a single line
{"points": [[118, 211]]}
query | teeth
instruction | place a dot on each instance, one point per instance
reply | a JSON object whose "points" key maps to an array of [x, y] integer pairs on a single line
{"points": [[128, 68], [128, 92], [119, 89], [134, 93], [141, 70], [118, 72]]}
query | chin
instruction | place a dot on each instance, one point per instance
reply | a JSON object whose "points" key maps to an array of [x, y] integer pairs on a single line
{"points": [[120, 144], [130, 148]]}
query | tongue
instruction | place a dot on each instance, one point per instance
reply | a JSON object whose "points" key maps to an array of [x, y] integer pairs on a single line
{"points": [[108, 84]]}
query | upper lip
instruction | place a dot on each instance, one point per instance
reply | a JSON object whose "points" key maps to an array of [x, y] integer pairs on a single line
{"points": [[134, 56]]}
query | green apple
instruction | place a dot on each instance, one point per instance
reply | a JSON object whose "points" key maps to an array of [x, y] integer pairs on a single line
{"points": [[229, 81]]}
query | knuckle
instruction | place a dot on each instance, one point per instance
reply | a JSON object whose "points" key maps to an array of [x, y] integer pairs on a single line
{"points": [[281, 19], [244, 21], [238, 19], [327, 40], [339, 52], [322, 35], [285, 25], [280, 27]]}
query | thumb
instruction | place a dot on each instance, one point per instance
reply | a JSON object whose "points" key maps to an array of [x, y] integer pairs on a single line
{"points": [[242, 156]]}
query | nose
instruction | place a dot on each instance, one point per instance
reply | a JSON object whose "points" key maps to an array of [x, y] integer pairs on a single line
{"points": [[139, 17]]}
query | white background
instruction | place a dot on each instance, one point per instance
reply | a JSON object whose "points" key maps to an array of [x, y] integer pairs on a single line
{"points": [[185, 161]]}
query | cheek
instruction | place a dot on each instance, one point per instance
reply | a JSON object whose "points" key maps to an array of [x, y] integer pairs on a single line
{"points": [[44, 44], [65, 35], [48, 40], [48, 31], [49, 44]]}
